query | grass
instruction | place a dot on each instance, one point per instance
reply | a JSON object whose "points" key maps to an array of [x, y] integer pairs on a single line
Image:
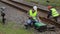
{"points": [[43, 2], [12, 28]]}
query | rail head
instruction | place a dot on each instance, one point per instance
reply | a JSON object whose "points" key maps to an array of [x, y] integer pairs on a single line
{"points": [[50, 21]]}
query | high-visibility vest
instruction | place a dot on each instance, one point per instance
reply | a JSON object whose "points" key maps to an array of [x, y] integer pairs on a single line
{"points": [[33, 14], [54, 12]]}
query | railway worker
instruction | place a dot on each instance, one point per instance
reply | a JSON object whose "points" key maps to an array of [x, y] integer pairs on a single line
{"points": [[53, 12], [33, 12], [3, 14]]}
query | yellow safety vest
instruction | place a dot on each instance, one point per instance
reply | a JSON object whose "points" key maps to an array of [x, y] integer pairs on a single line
{"points": [[33, 14], [54, 12]]}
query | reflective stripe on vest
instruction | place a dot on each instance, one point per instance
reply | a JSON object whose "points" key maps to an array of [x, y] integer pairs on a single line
{"points": [[54, 12], [33, 14]]}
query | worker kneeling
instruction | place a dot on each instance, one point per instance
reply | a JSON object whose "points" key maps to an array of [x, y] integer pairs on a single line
{"points": [[36, 24]]}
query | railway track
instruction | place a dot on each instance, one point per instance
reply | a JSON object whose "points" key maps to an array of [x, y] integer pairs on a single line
{"points": [[42, 13], [40, 8], [43, 18]]}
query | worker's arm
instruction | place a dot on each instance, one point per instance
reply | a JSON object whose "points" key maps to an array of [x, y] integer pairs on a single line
{"points": [[49, 13]]}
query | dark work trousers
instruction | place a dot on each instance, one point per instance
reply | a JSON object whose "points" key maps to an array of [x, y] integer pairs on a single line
{"points": [[3, 19], [33, 22], [49, 14], [29, 24]]}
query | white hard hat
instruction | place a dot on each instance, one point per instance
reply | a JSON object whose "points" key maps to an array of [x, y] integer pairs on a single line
{"points": [[35, 7]]}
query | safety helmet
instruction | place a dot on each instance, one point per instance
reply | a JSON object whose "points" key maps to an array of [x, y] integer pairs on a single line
{"points": [[35, 7], [49, 7]]}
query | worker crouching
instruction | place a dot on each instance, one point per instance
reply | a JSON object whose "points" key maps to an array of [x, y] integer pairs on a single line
{"points": [[53, 12], [34, 23], [3, 14]]}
